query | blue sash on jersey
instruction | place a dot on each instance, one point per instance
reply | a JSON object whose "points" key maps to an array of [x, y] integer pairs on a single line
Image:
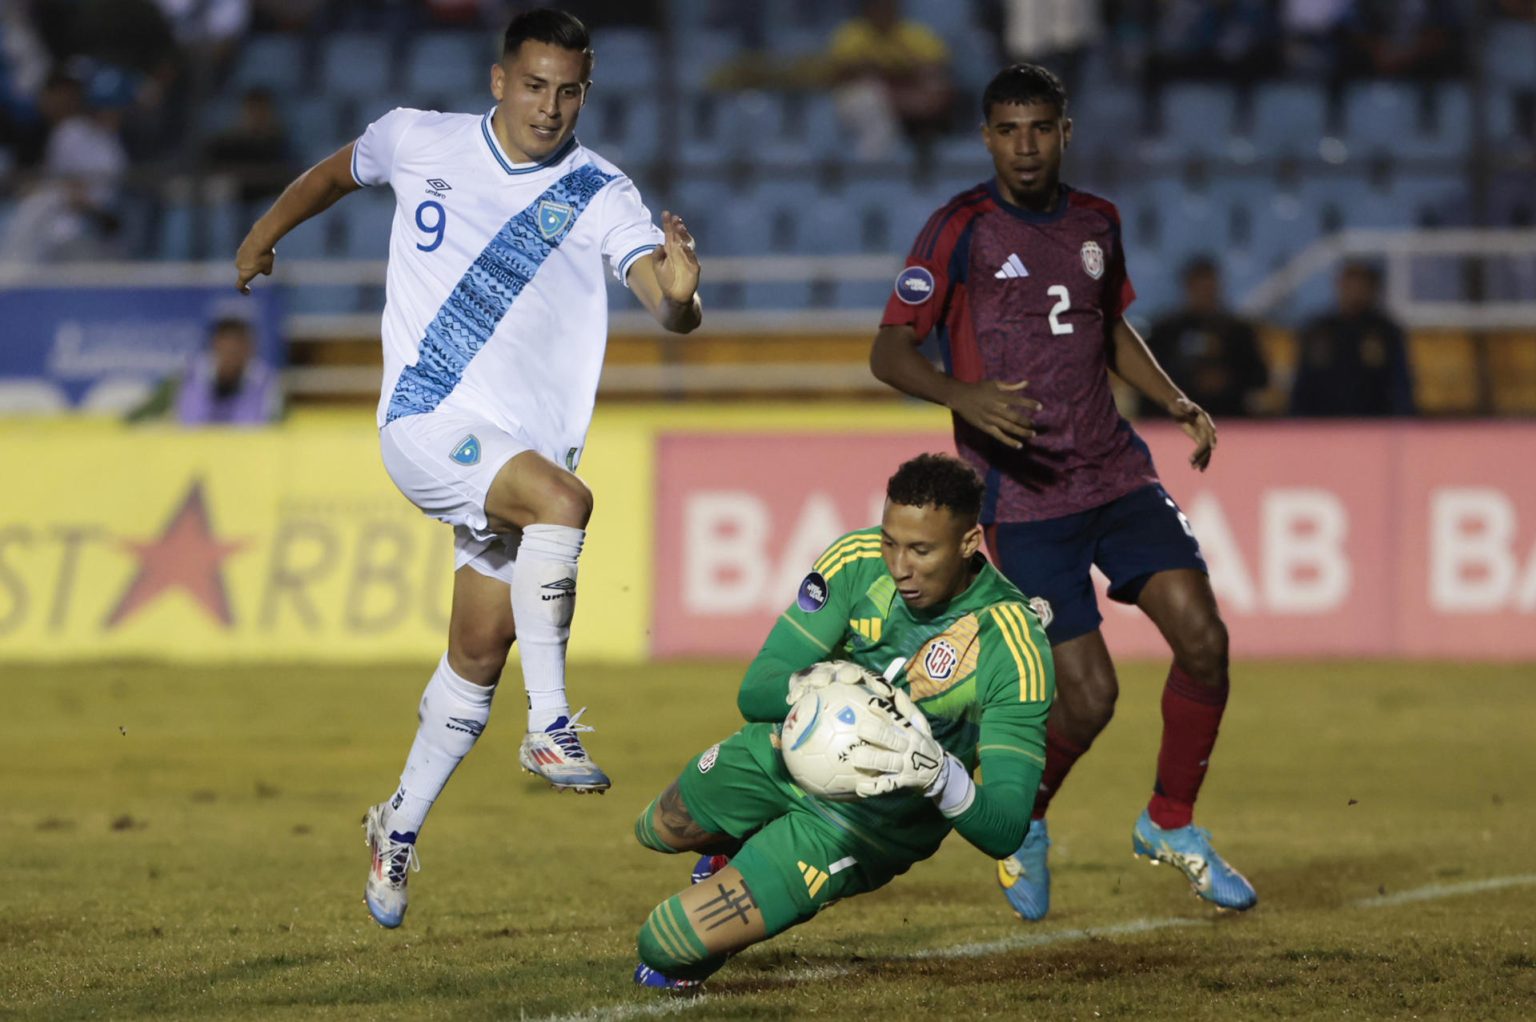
{"points": [[487, 290]]}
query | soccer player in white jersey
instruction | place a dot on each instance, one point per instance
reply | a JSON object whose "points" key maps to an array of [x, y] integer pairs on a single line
{"points": [[494, 328]]}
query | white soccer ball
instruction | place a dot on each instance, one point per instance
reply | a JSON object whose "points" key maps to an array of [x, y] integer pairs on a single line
{"points": [[819, 733]]}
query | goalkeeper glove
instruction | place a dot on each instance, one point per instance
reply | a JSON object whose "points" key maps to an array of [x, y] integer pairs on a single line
{"points": [[825, 673], [903, 756]]}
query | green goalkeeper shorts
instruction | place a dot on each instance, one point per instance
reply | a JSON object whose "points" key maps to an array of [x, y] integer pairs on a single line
{"points": [[799, 856]]}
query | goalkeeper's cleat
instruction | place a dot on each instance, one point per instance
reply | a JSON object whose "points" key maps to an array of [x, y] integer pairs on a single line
{"points": [[1025, 875], [648, 977], [1189, 849], [708, 866], [394, 859], [556, 755]]}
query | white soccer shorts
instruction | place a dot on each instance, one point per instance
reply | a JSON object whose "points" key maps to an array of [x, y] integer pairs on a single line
{"points": [[445, 463]]}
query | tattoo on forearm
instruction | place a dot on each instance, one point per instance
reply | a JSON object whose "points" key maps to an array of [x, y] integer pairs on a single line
{"points": [[731, 905]]}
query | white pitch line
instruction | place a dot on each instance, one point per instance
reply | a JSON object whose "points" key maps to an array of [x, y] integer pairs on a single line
{"points": [[675, 1005], [1436, 891]]}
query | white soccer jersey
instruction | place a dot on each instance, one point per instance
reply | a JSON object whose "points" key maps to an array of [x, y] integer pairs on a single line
{"points": [[496, 305]]}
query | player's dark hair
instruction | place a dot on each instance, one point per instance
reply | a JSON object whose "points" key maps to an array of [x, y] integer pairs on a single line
{"points": [[230, 324], [1024, 83], [546, 25], [940, 480]]}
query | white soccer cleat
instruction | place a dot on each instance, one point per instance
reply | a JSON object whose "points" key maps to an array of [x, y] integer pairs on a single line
{"points": [[393, 862], [556, 755]]}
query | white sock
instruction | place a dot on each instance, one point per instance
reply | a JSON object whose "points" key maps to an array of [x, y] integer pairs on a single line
{"points": [[543, 600], [452, 714]]}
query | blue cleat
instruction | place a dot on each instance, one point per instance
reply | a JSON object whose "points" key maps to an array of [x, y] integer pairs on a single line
{"points": [[648, 977], [708, 866], [1189, 849], [1025, 877], [556, 755], [394, 859]]}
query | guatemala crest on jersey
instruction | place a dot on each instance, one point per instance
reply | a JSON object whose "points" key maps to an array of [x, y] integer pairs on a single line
{"points": [[1093, 259], [914, 285], [553, 217]]}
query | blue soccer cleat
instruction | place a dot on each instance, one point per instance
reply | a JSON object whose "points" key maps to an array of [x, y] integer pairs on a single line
{"points": [[556, 755], [1025, 877], [1189, 849], [394, 859], [648, 977], [708, 866]]}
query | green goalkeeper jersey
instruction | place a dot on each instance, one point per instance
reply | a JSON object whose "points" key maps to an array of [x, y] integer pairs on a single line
{"points": [[978, 666]]}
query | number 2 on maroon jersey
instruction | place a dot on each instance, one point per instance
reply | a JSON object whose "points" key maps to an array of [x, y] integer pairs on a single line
{"points": [[1063, 303]]}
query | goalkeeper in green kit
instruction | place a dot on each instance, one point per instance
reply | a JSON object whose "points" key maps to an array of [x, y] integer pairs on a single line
{"points": [[926, 622]]}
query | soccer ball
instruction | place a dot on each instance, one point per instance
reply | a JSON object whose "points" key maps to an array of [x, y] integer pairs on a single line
{"points": [[822, 728]]}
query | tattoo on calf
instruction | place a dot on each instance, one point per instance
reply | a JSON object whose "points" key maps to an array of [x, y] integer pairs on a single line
{"points": [[729, 906]]}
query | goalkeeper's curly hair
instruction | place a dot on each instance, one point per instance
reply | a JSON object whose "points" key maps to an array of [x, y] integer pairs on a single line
{"points": [[940, 480]]}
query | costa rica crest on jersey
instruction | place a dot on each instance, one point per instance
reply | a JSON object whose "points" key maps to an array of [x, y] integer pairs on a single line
{"points": [[1093, 259], [554, 217], [941, 659]]}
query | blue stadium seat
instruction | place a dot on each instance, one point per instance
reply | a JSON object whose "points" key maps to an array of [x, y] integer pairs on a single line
{"points": [[782, 209], [308, 240], [1105, 118], [1380, 116], [626, 59], [1198, 119], [1288, 119], [1509, 57], [830, 227], [1349, 202], [314, 131], [706, 51], [449, 63], [861, 294], [704, 203], [1429, 199], [777, 295], [367, 217], [358, 64], [274, 61]]}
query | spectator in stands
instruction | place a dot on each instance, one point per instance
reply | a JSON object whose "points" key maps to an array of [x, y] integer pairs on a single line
{"points": [[226, 384], [1207, 350], [1229, 40], [1353, 362], [1389, 38], [72, 212], [891, 75], [254, 151], [1056, 33]]}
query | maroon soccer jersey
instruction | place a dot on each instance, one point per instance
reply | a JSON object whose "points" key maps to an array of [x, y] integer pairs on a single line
{"points": [[1017, 295]]}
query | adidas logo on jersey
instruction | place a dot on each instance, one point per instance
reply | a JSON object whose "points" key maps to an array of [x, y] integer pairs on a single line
{"points": [[1014, 267]]}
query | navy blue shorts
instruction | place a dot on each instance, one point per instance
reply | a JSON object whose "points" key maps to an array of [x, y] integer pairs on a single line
{"points": [[1131, 539]]}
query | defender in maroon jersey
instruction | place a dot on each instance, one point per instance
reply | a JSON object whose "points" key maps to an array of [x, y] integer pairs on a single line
{"points": [[1024, 280]]}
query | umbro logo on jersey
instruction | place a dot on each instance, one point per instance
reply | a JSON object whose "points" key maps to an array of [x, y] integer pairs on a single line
{"points": [[439, 184], [1013, 267]]}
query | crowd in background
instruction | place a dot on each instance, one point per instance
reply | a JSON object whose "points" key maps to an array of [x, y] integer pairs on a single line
{"points": [[93, 90]]}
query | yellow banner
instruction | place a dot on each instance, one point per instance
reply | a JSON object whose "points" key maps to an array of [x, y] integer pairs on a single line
{"points": [[291, 543]]}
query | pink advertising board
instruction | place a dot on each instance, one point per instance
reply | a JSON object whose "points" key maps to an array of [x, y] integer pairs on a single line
{"points": [[1322, 539]]}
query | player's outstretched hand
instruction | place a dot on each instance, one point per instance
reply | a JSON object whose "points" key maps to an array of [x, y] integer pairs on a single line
{"points": [[252, 259], [677, 263], [998, 409], [1193, 421]]}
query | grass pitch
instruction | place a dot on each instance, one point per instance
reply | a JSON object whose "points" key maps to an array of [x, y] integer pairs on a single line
{"points": [[184, 843]]}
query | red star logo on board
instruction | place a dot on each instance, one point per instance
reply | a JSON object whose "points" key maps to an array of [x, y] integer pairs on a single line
{"points": [[187, 555]]}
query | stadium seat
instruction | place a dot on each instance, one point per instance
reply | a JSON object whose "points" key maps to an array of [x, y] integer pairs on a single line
{"points": [[448, 63], [1380, 116], [358, 64], [273, 61], [1509, 57], [707, 51], [1190, 222], [1288, 120], [367, 218], [314, 130], [1105, 118], [1198, 119], [626, 60], [830, 227]]}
